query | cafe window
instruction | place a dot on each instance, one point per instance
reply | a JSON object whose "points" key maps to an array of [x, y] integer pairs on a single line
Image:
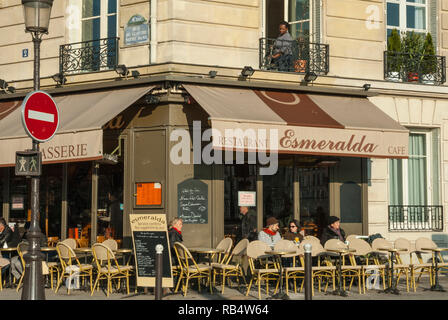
{"points": [[278, 196], [51, 200], [19, 198], [79, 201], [241, 177], [2, 177], [110, 201], [314, 199]]}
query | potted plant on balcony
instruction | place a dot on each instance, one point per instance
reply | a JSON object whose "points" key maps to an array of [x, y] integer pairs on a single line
{"points": [[394, 63], [302, 54], [429, 63], [413, 54]]}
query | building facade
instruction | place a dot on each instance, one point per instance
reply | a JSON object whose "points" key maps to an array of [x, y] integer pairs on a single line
{"points": [[114, 149]]}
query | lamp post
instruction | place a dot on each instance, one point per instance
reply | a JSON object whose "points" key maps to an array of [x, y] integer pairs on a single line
{"points": [[37, 18]]}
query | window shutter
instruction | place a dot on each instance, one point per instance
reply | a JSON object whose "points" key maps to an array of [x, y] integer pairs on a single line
{"points": [[316, 20], [433, 21]]}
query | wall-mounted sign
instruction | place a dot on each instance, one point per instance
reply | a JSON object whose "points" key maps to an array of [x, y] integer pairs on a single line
{"points": [[247, 198], [24, 53], [148, 194], [192, 201], [18, 202], [136, 30]]}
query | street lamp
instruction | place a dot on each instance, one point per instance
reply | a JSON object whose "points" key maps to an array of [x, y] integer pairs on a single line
{"points": [[37, 18]]}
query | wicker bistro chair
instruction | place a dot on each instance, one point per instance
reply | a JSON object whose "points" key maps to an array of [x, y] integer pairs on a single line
{"points": [[190, 269], [324, 270], [108, 268], [399, 267], [3, 263], [256, 251], [70, 242], [295, 270], [422, 243], [226, 246], [70, 265], [47, 269], [111, 244], [348, 270], [227, 269], [369, 260]]}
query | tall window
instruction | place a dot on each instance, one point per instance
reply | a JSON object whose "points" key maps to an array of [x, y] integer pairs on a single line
{"points": [[99, 19], [419, 16], [414, 194], [415, 181], [303, 16]]}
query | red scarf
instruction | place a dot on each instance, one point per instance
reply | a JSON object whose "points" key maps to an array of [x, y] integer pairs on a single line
{"points": [[269, 232], [178, 231]]}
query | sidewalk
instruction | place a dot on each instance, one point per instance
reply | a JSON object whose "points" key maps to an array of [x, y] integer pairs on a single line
{"points": [[234, 294]]}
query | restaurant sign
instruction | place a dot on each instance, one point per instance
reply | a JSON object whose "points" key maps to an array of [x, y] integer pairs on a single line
{"points": [[309, 140]]}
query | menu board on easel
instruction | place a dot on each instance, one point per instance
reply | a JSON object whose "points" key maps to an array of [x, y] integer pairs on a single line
{"points": [[149, 230], [148, 194]]}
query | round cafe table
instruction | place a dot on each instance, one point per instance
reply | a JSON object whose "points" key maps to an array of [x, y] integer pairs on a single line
{"points": [[47, 250], [86, 251], [9, 251], [208, 251], [278, 256], [124, 252]]}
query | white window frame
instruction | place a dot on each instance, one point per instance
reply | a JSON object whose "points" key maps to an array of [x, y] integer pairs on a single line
{"points": [[75, 34], [403, 19], [429, 133], [313, 36]]}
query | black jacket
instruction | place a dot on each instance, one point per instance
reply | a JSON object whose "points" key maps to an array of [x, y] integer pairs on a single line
{"points": [[174, 236], [249, 225], [328, 234], [7, 236]]}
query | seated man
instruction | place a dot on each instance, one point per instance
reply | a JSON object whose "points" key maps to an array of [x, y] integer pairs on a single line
{"points": [[332, 231], [270, 234]]}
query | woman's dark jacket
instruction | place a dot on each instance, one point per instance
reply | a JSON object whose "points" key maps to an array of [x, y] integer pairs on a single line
{"points": [[328, 234], [291, 236], [7, 236]]}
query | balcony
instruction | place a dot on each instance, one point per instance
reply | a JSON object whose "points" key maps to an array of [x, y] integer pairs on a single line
{"points": [[305, 56], [417, 68], [415, 218], [88, 56]]}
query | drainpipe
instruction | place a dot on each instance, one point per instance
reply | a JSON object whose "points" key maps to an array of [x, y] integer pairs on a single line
{"points": [[153, 46]]}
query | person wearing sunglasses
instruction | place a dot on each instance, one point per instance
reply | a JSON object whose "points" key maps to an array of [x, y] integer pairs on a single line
{"points": [[294, 233]]}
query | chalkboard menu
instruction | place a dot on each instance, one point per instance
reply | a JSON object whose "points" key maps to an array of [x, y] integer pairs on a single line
{"points": [[192, 201], [149, 230]]}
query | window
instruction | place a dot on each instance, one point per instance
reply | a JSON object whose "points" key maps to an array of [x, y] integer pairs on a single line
{"points": [[419, 16], [92, 35], [302, 15], [414, 194]]}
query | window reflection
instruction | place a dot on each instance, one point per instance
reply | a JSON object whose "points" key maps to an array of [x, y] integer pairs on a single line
{"points": [[50, 200], [79, 195]]}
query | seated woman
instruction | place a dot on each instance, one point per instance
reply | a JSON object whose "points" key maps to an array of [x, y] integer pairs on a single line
{"points": [[294, 233]]}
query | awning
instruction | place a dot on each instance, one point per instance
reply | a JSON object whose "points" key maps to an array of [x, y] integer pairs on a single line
{"points": [[80, 134], [294, 122]]}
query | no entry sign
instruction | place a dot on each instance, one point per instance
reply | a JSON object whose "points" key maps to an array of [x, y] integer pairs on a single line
{"points": [[40, 116]]}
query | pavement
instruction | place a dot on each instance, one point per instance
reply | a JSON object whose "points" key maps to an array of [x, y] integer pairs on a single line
{"points": [[8, 294]]}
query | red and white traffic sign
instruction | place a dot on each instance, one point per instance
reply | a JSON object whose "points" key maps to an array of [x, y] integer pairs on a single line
{"points": [[40, 116]]}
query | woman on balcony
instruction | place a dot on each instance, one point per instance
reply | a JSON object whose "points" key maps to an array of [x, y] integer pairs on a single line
{"points": [[282, 50]]}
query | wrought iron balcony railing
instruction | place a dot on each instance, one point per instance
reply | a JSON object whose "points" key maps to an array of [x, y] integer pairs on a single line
{"points": [[88, 56], [407, 67], [300, 56], [415, 218]]}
